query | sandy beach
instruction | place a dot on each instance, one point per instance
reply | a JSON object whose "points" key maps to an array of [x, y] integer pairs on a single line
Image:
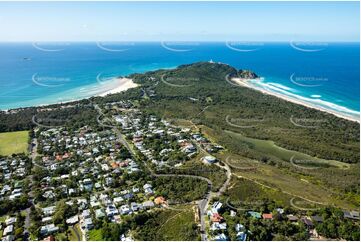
{"points": [[100, 89], [121, 84], [248, 84]]}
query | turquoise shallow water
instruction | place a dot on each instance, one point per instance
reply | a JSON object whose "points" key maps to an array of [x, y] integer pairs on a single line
{"points": [[44, 73]]}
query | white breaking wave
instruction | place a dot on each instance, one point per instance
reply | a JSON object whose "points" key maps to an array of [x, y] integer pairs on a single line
{"points": [[316, 101], [281, 86]]}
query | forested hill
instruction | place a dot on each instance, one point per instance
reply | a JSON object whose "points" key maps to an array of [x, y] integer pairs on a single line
{"points": [[201, 92]]}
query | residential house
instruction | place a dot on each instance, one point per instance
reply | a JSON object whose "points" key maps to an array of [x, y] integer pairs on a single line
{"points": [[267, 216], [118, 200], [351, 215], [49, 210], [220, 237], [307, 222], [218, 226], [48, 229], [8, 230], [216, 207], [148, 204], [317, 219], [292, 218], [125, 209], [10, 221], [72, 220], [87, 224], [99, 213], [135, 206]]}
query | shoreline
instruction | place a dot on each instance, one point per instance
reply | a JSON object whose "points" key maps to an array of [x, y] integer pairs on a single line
{"points": [[246, 83], [124, 84], [115, 85], [120, 84]]}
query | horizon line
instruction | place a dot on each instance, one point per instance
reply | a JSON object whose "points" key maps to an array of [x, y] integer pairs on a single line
{"points": [[180, 41]]}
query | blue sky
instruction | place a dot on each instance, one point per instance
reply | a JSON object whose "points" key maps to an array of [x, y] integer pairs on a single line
{"points": [[169, 21]]}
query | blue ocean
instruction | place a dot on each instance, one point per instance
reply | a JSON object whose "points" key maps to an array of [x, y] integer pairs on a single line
{"points": [[44, 73]]}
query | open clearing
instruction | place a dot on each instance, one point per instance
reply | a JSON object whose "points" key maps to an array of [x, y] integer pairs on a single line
{"points": [[13, 142], [179, 226], [270, 148]]}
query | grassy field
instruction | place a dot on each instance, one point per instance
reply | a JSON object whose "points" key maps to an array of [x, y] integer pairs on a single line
{"points": [[243, 193], [95, 235], [179, 226], [13, 142], [271, 149], [291, 184], [177, 223], [324, 183]]}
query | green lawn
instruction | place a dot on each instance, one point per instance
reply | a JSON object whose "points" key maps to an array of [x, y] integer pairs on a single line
{"points": [[3, 218], [95, 235], [14, 142]]}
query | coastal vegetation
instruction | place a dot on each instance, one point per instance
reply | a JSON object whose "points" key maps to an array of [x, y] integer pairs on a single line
{"points": [[165, 225], [269, 162], [181, 189], [203, 95]]}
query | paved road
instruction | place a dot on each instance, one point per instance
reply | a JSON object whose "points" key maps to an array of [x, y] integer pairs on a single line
{"points": [[78, 236], [27, 219], [229, 176], [202, 204], [115, 129], [34, 153]]}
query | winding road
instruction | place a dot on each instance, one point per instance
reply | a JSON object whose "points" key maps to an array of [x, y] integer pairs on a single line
{"points": [[203, 203]]}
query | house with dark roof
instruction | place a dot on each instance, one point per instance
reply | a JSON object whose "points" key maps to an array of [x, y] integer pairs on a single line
{"points": [[351, 215], [292, 218], [307, 222], [317, 219]]}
